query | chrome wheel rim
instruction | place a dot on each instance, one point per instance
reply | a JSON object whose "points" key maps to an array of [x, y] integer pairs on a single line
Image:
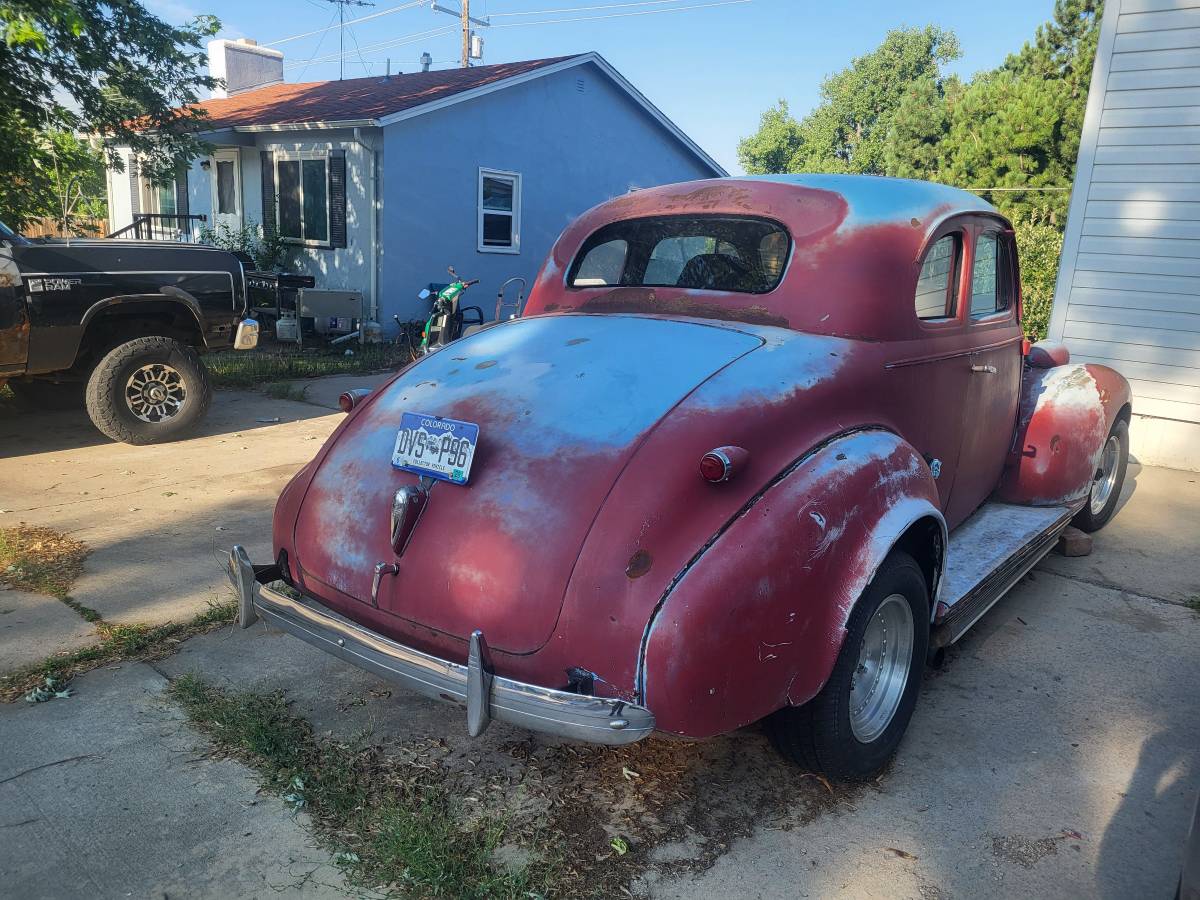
{"points": [[155, 393], [1106, 475], [881, 673]]}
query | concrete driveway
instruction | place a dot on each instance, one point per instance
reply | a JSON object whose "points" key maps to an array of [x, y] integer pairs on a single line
{"points": [[1056, 754]]}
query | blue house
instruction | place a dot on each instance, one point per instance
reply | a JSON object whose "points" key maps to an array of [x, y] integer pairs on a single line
{"points": [[380, 183]]}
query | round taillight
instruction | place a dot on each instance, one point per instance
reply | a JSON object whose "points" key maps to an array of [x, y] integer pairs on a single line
{"points": [[351, 399], [722, 464]]}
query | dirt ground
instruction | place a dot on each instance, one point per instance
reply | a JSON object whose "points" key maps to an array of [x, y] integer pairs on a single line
{"points": [[1057, 753]]}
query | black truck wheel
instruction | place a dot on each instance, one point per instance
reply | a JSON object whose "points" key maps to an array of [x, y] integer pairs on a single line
{"points": [[39, 396], [148, 390], [851, 729]]}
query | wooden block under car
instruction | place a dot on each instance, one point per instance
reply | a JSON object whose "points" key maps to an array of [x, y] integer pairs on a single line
{"points": [[1073, 542]]}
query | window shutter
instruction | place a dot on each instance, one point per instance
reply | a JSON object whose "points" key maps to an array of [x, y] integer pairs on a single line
{"points": [[337, 198], [135, 188], [181, 192], [268, 192]]}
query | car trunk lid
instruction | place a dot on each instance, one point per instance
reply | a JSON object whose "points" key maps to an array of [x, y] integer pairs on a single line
{"points": [[561, 403]]}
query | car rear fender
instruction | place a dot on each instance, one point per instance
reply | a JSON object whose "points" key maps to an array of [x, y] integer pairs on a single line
{"points": [[1065, 416], [756, 620]]}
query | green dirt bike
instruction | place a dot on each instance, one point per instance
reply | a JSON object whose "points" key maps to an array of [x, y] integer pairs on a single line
{"points": [[448, 318]]}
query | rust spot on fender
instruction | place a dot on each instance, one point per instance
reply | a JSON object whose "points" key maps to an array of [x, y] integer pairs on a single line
{"points": [[486, 364], [1054, 443], [914, 222], [639, 564]]}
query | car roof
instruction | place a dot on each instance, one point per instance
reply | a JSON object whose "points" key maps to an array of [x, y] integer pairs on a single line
{"points": [[858, 242], [878, 198]]}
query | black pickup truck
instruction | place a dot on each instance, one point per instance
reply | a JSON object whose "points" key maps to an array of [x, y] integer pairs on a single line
{"points": [[119, 325]]}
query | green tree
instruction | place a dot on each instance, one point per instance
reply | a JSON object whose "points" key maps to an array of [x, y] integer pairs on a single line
{"points": [[848, 130], [107, 68], [77, 178]]}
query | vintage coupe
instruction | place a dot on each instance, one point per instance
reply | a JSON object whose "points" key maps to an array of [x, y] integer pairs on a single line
{"points": [[758, 450]]}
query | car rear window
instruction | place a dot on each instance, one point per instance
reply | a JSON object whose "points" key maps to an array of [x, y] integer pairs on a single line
{"points": [[707, 253]]}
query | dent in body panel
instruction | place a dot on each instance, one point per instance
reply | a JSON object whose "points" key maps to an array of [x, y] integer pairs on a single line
{"points": [[775, 578], [1065, 416]]}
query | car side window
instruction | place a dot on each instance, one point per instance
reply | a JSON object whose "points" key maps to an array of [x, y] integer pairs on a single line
{"points": [[937, 285], [603, 265], [989, 284]]}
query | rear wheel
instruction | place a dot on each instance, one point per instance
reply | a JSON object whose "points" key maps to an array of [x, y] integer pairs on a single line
{"points": [[1105, 492], [148, 390], [851, 729]]}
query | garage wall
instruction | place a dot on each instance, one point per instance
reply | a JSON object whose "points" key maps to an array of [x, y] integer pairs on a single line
{"points": [[1128, 292]]}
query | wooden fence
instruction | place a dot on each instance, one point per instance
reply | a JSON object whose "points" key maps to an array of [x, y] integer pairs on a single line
{"points": [[52, 228]]}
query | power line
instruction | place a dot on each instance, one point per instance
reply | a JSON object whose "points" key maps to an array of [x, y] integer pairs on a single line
{"points": [[648, 12], [384, 12], [318, 50], [382, 45], [574, 9]]}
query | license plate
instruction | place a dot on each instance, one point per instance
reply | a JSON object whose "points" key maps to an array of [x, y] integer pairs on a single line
{"points": [[434, 446]]}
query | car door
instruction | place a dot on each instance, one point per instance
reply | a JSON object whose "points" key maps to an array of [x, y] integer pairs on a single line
{"points": [[994, 380], [933, 362], [14, 318]]}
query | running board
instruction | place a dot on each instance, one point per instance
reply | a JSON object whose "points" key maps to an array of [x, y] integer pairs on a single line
{"points": [[988, 554]]}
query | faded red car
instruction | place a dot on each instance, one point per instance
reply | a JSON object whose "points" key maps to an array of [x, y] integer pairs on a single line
{"points": [[757, 450]]}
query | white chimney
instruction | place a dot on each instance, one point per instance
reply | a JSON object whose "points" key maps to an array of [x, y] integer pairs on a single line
{"points": [[243, 66]]}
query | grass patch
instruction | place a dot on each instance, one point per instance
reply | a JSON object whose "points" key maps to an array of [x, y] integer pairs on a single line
{"points": [[117, 643], [284, 390], [392, 826], [43, 561], [244, 369]]}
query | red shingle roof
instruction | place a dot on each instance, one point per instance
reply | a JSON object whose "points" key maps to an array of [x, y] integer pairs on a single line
{"points": [[356, 98]]}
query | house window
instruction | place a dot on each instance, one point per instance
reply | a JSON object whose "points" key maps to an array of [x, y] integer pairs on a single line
{"points": [[165, 199], [302, 186], [499, 211]]}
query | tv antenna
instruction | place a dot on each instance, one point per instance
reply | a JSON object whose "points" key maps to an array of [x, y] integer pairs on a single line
{"points": [[341, 6]]}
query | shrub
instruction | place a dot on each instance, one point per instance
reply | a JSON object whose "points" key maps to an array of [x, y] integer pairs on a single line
{"points": [[1039, 246]]}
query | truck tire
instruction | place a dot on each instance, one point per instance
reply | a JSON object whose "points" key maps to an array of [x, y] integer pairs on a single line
{"points": [[1105, 492], [42, 396], [852, 728], [148, 390]]}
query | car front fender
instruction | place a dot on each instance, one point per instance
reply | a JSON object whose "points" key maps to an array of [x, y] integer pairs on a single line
{"points": [[757, 620]]}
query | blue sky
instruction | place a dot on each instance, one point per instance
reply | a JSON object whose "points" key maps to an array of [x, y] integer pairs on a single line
{"points": [[713, 70]]}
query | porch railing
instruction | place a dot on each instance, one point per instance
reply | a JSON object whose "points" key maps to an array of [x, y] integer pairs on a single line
{"points": [[162, 227]]}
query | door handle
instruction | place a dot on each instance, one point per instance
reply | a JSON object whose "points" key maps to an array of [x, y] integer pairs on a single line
{"points": [[990, 370]]}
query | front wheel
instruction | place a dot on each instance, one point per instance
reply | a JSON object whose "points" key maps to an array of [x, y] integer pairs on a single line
{"points": [[1105, 492], [148, 390], [852, 728]]}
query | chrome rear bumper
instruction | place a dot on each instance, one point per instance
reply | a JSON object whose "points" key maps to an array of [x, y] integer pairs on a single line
{"points": [[594, 719]]}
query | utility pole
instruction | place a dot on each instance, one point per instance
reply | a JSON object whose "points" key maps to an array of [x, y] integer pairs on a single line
{"points": [[464, 16], [341, 5], [466, 33]]}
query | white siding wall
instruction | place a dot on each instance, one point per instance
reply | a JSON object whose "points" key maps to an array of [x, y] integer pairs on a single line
{"points": [[1128, 292]]}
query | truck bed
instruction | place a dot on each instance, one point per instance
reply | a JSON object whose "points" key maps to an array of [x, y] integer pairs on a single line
{"points": [[988, 554]]}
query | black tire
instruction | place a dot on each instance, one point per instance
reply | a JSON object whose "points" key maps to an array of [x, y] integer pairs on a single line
{"points": [[111, 407], [1086, 519], [818, 735], [41, 396]]}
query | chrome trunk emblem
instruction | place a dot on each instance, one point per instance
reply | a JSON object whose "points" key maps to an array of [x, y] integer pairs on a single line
{"points": [[407, 506]]}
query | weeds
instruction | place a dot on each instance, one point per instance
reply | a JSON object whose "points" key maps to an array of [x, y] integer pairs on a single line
{"points": [[395, 825], [117, 643], [43, 561], [240, 369], [283, 390]]}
